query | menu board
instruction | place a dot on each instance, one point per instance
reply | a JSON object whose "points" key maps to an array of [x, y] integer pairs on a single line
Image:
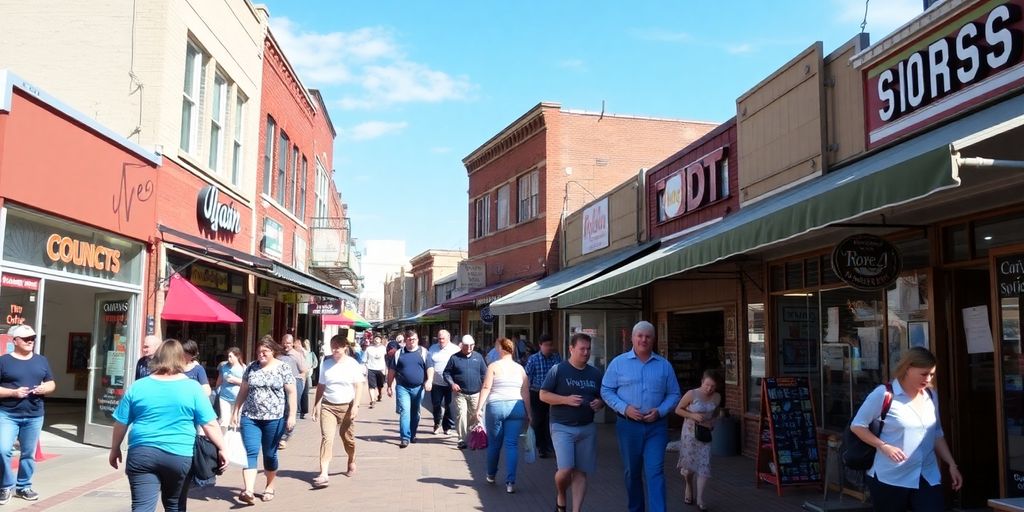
{"points": [[787, 452]]}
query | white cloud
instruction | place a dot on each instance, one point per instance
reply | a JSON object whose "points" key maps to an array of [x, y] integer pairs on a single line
{"points": [[374, 129], [368, 65], [662, 35], [573, 64], [883, 17], [737, 49]]}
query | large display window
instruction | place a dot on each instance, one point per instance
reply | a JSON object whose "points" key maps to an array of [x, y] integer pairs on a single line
{"points": [[1010, 280]]}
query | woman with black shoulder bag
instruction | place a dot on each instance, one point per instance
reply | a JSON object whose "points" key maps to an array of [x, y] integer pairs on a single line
{"points": [[906, 474], [698, 408]]}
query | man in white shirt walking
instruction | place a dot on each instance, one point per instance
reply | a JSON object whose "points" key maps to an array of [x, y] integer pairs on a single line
{"points": [[374, 357], [440, 391]]}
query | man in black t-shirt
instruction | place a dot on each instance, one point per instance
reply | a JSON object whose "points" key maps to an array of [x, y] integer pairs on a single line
{"points": [[149, 345], [573, 388], [25, 378]]}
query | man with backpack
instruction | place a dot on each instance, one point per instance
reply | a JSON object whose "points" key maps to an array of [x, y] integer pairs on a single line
{"points": [[408, 369]]}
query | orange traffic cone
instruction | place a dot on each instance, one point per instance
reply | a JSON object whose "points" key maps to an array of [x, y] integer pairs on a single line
{"points": [[39, 456]]}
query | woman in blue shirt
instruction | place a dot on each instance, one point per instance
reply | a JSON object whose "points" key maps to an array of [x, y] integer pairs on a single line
{"points": [[163, 411], [230, 372], [905, 474]]}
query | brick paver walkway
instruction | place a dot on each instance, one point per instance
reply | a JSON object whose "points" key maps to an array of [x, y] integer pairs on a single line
{"points": [[433, 475]]}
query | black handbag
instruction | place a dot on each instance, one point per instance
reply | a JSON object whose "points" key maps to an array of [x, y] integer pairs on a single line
{"points": [[702, 433], [857, 454]]}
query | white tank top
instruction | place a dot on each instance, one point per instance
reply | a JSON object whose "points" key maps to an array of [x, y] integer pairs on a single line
{"points": [[506, 387]]}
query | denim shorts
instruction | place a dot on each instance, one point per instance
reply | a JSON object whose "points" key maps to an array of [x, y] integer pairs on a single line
{"points": [[575, 446]]}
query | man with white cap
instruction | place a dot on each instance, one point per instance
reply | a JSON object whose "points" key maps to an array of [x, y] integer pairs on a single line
{"points": [[465, 374], [25, 377]]}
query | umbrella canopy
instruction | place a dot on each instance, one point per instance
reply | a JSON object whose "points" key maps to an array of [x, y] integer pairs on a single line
{"points": [[187, 303], [347, 318]]}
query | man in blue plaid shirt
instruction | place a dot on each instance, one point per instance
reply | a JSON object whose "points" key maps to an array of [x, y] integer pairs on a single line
{"points": [[537, 367]]}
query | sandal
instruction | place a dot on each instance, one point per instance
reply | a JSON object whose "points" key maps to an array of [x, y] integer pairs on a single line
{"points": [[267, 495], [559, 508], [246, 497], [320, 482]]}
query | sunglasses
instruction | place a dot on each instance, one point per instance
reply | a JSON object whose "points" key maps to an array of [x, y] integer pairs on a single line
{"points": [[29, 339]]}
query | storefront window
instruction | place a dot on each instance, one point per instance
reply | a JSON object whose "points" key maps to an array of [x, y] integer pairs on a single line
{"points": [[852, 356], [18, 296], [797, 338], [907, 304], [755, 339], [1010, 275]]}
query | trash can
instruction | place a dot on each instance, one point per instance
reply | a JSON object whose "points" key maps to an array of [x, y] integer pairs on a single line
{"points": [[725, 441]]}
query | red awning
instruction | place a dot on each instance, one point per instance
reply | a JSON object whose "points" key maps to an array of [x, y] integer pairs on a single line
{"points": [[187, 303], [484, 296]]}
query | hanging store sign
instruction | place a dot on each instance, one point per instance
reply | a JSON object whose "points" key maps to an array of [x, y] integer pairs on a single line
{"points": [[595, 226], [486, 316], [866, 262], [214, 215], [972, 59], [325, 306]]}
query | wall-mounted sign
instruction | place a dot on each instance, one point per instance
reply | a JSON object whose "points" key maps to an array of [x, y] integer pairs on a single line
{"points": [[971, 60], [866, 262], [20, 282], [696, 185], [470, 276], [208, 277], [62, 246], [273, 233], [325, 306], [595, 226], [214, 215]]}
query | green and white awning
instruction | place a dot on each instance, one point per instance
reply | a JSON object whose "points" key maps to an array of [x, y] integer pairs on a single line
{"points": [[907, 172]]}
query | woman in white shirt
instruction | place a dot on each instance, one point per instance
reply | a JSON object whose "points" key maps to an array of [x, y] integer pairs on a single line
{"points": [[337, 404], [905, 474], [506, 395]]}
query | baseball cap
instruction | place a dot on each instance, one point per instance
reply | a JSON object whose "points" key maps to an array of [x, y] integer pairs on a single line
{"points": [[21, 331], [467, 340]]}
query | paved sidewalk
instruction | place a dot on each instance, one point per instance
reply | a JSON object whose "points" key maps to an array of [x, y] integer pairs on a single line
{"points": [[431, 475]]}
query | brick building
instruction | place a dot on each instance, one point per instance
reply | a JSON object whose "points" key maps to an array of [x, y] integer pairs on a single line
{"points": [[523, 181]]}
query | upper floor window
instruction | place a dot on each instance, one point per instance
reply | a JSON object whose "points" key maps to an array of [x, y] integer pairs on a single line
{"points": [[282, 165], [190, 98], [237, 157], [483, 216], [528, 192], [268, 156], [503, 209], [293, 178], [300, 207], [320, 207], [218, 112]]}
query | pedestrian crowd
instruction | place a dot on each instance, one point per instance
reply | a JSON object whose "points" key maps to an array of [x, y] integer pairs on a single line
{"points": [[175, 423]]}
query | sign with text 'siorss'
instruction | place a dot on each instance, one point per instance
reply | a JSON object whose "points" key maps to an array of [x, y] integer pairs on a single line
{"points": [[973, 57]]}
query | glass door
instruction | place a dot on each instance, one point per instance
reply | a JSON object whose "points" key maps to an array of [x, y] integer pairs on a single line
{"points": [[1010, 275], [108, 363]]}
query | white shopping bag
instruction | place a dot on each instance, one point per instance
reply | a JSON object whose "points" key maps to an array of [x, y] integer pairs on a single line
{"points": [[234, 449], [530, 446]]}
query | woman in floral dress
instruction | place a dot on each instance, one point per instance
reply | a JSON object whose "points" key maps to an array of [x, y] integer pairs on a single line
{"points": [[697, 407]]}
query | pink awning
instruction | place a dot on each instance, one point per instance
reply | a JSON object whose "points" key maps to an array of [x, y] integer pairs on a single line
{"points": [[186, 303]]}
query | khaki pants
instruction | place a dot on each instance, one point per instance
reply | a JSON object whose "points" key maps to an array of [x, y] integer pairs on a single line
{"points": [[331, 416], [465, 407]]}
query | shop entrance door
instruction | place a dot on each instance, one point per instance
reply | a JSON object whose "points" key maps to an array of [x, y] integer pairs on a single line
{"points": [[971, 377], [108, 363]]}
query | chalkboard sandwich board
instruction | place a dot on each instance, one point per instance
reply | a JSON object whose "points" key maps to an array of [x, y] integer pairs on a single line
{"points": [[787, 451]]}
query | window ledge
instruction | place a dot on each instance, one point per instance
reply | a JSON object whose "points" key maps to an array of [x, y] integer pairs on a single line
{"points": [[271, 202], [187, 161]]}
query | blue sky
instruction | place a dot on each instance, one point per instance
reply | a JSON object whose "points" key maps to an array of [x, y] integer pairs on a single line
{"points": [[413, 87]]}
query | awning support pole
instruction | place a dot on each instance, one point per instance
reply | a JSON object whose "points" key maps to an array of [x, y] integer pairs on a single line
{"points": [[977, 161]]}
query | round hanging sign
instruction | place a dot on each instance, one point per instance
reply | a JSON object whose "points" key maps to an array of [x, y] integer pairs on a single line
{"points": [[866, 262], [486, 316]]}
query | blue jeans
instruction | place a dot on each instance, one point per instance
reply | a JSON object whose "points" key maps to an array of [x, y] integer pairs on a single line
{"points": [[26, 431], [642, 446], [409, 400], [264, 434], [505, 421], [154, 473], [441, 403], [300, 387]]}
